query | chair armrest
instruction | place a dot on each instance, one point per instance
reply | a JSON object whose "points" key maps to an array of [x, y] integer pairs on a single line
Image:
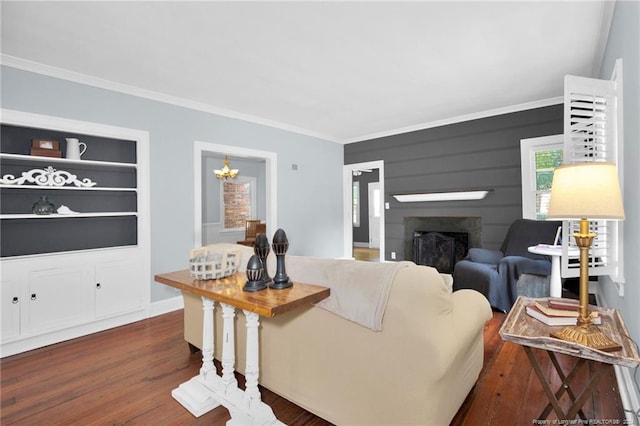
{"points": [[481, 255]]}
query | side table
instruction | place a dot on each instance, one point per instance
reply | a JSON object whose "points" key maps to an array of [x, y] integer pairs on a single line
{"points": [[555, 252], [207, 390], [528, 332]]}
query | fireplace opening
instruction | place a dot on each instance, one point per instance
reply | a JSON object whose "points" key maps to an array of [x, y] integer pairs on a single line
{"points": [[441, 250], [456, 234]]}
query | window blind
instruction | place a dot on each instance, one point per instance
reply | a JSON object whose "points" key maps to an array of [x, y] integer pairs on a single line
{"points": [[591, 113]]}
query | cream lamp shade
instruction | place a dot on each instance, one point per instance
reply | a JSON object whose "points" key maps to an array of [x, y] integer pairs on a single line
{"points": [[586, 190]]}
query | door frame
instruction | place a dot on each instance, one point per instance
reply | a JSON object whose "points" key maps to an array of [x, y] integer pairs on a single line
{"points": [[271, 168], [347, 182]]}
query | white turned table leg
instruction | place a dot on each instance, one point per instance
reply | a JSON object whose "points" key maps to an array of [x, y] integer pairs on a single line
{"points": [[196, 395], [208, 390], [249, 408], [207, 338], [252, 393], [228, 347]]}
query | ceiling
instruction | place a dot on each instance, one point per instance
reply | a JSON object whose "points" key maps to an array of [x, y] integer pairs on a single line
{"points": [[342, 71]]}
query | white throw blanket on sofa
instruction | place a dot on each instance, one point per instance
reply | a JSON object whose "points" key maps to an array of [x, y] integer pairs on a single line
{"points": [[359, 290]]}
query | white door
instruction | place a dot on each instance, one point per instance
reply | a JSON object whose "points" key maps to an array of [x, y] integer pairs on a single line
{"points": [[374, 214]]}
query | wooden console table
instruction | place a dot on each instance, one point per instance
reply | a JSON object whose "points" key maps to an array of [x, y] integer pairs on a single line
{"points": [[529, 333], [208, 390]]}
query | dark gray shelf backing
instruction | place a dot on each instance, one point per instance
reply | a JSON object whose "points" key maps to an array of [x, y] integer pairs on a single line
{"points": [[21, 200], [39, 236], [17, 140]]}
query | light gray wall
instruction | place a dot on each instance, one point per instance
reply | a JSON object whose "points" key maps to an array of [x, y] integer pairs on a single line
{"points": [[477, 154], [624, 42], [309, 205]]}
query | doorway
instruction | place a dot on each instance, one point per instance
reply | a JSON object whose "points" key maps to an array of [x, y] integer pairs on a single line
{"points": [[205, 149], [354, 210]]}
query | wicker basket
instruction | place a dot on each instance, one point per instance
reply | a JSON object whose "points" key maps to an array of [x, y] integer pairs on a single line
{"points": [[211, 263]]}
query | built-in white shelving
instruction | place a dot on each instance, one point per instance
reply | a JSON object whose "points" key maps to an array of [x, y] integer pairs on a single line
{"points": [[65, 276], [66, 216], [68, 188], [21, 157]]}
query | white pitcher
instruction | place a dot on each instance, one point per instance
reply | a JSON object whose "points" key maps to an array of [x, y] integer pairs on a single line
{"points": [[75, 148]]}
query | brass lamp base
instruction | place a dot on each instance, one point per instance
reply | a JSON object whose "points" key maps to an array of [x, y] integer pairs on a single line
{"points": [[587, 335]]}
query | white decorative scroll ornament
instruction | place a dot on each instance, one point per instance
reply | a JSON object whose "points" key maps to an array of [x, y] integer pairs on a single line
{"points": [[47, 177]]}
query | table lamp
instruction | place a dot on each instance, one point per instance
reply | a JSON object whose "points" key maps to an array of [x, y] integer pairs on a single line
{"points": [[586, 191]]}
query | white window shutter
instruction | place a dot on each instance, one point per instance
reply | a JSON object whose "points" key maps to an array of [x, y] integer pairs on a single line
{"points": [[590, 134]]}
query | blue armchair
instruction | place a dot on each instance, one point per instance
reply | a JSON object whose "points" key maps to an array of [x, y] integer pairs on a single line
{"points": [[495, 273]]}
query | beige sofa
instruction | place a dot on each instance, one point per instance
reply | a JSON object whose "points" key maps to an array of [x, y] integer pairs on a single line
{"points": [[417, 371]]}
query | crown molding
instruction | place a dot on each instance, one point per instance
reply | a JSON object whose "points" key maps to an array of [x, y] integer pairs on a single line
{"points": [[76, 77], [602, 37], [461, 118], [64, 74]]}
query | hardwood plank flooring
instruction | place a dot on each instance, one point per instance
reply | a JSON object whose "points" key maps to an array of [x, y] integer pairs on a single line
{"points": [[125, 376], [366, 254], [509, 392]]}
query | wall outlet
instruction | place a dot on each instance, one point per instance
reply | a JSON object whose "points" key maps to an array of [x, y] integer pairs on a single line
{"points": [[386, 206], [393, 255]]}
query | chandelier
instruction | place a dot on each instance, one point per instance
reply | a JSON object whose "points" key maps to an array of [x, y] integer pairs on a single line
{"points": [[226, 172]]}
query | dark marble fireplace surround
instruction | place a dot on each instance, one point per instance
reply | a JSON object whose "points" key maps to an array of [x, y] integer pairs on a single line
{"points": [[416, 225]]}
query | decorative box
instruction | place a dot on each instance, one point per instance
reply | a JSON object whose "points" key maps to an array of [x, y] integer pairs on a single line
{"points": [[45, 148], [46, 152]]}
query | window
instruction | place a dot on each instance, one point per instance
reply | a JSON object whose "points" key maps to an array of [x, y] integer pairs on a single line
{"points": [[355, 203], [238, 202], [545, 163], [539, 158]]}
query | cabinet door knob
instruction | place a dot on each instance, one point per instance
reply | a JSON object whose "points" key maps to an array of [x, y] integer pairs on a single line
{"points": [[98, 285], [33, 296], [15, 300]]}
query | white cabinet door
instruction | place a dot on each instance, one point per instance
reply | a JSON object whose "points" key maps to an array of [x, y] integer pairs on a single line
{"points": [[10, 303], [58, 298], [118, 287]]}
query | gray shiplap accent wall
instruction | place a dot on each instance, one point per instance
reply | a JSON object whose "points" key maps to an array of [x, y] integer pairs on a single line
{"points": [[476, 154]]}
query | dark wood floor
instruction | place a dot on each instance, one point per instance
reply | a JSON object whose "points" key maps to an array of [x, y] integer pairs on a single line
{"points": [[125, 376]]}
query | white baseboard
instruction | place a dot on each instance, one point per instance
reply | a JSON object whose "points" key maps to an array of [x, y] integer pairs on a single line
{"points": [[37, 341], [629, 394], [166, 306]]}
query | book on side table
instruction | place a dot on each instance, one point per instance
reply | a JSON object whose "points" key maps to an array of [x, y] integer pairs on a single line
{"points": [[558, 311]]}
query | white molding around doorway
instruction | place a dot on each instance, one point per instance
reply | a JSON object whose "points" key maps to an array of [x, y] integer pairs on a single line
{"points": [[271, 168], [347, 180]]}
